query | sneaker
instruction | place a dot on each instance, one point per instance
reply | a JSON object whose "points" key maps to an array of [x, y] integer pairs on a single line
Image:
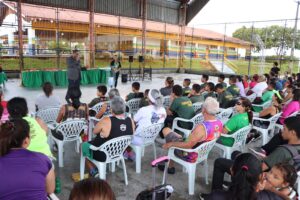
{"points": [[258, 151]]}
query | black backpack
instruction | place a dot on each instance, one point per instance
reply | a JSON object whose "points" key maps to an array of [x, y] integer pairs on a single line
{"points": [[295, 155]]}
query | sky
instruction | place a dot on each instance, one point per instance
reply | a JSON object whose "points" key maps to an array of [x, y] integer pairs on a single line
{"points": [[221, 11]]}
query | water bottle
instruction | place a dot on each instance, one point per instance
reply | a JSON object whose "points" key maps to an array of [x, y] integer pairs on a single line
{"points": [[57, 185]]}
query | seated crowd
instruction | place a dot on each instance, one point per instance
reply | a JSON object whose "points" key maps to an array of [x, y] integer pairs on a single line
{"points": [[267, 172]]}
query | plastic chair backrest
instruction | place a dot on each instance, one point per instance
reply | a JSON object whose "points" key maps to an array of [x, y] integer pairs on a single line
{"points": [[98, 107], [197, 119], [273, 120], [204, 149], [240, 136], [48, 115], [197, 106], [149, 133], [225, 114], [166, 101], [115, 148], [267, 104], [71, 128], [133, 105], [251, 97]]}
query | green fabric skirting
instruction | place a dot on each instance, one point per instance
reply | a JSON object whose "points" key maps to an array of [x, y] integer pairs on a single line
{"points": [[35, 79]]}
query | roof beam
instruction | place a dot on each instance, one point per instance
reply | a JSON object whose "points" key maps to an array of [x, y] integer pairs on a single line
{"points": [[194, 8]]}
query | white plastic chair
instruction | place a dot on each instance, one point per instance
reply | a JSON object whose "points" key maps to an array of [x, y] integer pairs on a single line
{"points": [[113, 150], [239, 137], [225, 114], [94, 120], [48, 115], [263, 105], [98, 107], [148, 136], [70, 130], [166, 101], [133, 105], [251, 97], [268, 132], [197, 119], [203, 151], [197, 106]]}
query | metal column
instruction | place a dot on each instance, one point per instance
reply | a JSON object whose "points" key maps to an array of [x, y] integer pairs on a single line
{"points": [[144, 26], [57, 38], [182, 24], [20, 31], [92, 33]]}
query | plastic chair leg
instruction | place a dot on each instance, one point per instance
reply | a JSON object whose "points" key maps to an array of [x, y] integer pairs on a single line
{"points": [[138, 159], [227, 152], [60, 146], [206, 171], [191, 174], [264, 138], [82, 166], [102, 170], [154, 150], [113, 167], [124, 170]]}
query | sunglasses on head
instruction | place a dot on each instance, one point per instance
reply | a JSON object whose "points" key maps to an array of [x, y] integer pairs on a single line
{"points": [[238, 103]]}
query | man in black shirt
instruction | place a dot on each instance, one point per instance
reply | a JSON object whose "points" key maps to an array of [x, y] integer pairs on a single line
{"points": [[275, 69]]}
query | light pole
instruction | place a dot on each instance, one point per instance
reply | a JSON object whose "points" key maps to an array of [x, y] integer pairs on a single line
{"points": [[294, 38]]}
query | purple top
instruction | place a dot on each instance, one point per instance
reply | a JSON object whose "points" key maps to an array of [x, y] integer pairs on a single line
{"points": [[23, 175]]}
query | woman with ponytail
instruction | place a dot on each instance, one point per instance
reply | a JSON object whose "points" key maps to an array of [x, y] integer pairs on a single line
{"points": [[242, 119], [247, 183], [75, 109], [24, 174]]}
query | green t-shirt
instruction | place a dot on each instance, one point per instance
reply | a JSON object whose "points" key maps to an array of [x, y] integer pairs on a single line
{"points": [[144, 102], [196, 98], [202, 85], [234, 124], [224, 85], [186, 91], [38, 137], [280, 155], [234, 90], [135, 95], [267, 96], [224, 99], [182, 106], [210, 94]]}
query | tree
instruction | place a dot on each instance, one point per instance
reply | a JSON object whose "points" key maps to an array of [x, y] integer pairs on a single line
{"points": [[278, 37]]}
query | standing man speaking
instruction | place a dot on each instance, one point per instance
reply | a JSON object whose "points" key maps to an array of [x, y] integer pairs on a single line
{"points": [[74, 72]]}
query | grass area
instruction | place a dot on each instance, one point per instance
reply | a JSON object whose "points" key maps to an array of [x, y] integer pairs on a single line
{"points": [[194, 64]]}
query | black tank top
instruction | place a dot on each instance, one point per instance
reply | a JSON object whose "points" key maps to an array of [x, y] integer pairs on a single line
{"points": [[119, 127]]}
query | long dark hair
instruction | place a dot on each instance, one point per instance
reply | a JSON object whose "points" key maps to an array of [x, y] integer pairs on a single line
{"points": [[246, 103], [12, 135], [246, 172], [92, 188], [75, 95]]}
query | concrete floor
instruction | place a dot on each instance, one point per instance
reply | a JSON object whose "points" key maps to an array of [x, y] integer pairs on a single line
{"points": [[137, 182]]}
